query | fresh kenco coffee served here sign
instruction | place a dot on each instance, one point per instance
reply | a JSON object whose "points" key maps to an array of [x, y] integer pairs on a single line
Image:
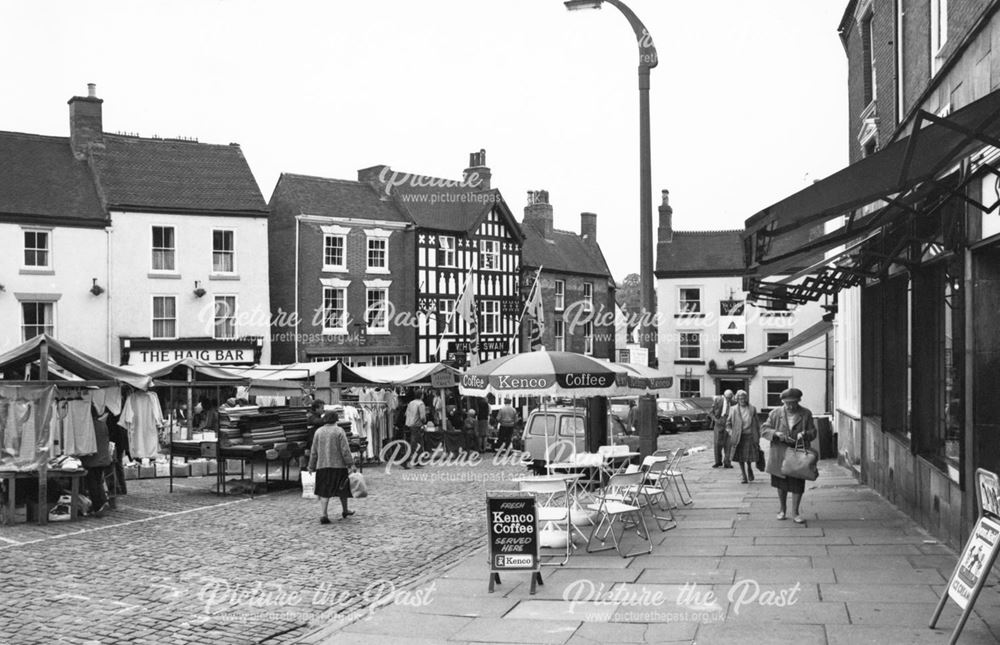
{"points": [[513, 534]]}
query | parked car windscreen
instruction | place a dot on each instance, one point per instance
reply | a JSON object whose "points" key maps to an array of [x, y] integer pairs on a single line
{"points": [[572, 426], [543, 424]]}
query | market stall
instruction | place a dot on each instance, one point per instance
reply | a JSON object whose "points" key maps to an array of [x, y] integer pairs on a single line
{"points": [[47, 390]]}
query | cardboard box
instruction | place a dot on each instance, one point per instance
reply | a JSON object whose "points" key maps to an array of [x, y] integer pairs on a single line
{"points": [[213, 467], [162, 469], [20, 514], [199, 468], [147, 472], [234, 466], [131, 472], [181, 470]]}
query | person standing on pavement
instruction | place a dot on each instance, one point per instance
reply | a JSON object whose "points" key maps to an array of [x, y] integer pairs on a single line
{"points": [[416, 417], [507, 419], [332, 461], [482, 424], [97, 466], [719, 413], [784, 426], [743, 429]]}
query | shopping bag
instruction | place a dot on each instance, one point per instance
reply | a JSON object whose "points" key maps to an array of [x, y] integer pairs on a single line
{"points": [[775, 457], [761, 462], [358, 486], [308, 484], [800, 462]]}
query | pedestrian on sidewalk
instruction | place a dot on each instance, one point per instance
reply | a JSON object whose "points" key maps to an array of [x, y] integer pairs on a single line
{"points": [[784, 426], [719, 413], [744, 432], [332, 461], [416, 417], [507, 419]]}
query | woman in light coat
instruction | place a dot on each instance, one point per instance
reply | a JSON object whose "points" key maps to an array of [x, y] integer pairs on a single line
{"points": [[744, 435], [784, 426], [331, 459]]}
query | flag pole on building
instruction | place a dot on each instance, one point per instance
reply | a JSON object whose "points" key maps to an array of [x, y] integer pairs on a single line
{"points": [[466, 310], [533, 308]]}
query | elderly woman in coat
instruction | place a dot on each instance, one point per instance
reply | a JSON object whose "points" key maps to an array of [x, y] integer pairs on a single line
{"points": [[744, 435], [331, 459], [784, 426]]}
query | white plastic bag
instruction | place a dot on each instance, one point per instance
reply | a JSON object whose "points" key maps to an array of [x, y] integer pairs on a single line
{"points": [[308, 484], [358, 486]]}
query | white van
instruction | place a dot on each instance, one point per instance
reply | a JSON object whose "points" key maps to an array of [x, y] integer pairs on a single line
{"points": [[565, 428]]}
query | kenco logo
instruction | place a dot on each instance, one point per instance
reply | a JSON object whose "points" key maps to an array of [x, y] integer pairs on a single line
{"points": [[473, 381], [507, 382]]}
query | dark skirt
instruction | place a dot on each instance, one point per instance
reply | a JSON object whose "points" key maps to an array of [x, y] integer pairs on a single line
{"points": [[792, 485], [746, 450], [332, 482]]}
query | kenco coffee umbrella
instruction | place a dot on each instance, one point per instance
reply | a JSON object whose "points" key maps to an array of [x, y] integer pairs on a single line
{"points": [[546, 373]]}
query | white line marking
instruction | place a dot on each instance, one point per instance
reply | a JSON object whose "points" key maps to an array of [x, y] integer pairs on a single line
{"points": [[114, 526], [9, 540]]}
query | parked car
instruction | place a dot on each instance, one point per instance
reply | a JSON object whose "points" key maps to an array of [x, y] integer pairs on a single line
{"points": [[679, 415], [699, 416], [566, 430]]}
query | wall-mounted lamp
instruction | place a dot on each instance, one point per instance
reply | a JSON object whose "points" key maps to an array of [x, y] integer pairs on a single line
{"points": [[198, 291], [96, 289]]}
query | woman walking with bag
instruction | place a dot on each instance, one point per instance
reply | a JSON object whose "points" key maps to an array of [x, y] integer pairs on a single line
{"points": [[784, 427], [330, 458], [744, 432]]}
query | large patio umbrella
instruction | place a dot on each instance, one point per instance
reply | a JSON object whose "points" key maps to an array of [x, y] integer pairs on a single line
{"points": [[545, 373]]}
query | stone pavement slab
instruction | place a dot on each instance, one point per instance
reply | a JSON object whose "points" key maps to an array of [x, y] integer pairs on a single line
{"points": [[493, 630], [728, 633]]}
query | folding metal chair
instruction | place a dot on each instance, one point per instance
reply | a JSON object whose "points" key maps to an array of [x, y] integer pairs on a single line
{"points": [[654, 490], [553, 502], [676, 475], [617, 504]]}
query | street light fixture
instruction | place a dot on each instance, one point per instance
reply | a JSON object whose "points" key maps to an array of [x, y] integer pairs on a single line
{"points": [[647, 61]]}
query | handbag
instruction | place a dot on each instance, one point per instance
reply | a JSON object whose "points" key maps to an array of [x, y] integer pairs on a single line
{"points": [[800, 462], [358, 486], [308, 484], [761, 462]]}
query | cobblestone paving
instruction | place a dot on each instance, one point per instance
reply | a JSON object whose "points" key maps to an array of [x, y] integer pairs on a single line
{"points": [[192, 567]]}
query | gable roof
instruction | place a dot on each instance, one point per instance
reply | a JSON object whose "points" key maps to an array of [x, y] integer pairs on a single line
{"points": [[564, 251], [704, 253], [335, 198], [41, 180], [449, 206], [168, 175]]}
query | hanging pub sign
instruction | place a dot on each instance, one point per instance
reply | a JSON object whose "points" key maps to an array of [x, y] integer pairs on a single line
{"points": [[512, 518], [978, 556], [732, 325]]}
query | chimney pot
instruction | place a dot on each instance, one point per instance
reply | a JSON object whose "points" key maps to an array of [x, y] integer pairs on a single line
{"points": [[538, 212], [477, 176], [86, 126], [588, 226], [92, 90], [666, 228]]}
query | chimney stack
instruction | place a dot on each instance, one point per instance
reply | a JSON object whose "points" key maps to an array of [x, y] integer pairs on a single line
{"points": [[477, 175], [86, 125], [588, 226], [666, 229], [538, 212]]}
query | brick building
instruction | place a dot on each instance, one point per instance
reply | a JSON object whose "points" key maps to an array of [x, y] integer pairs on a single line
{"points": [[578, 291], [912, 240], [402, 244]]}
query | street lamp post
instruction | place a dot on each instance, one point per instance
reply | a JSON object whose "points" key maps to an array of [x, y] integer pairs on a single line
{"points": [[647, 61]]}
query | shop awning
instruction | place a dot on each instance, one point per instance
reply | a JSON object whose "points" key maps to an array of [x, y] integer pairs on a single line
{"points": [[892, 176], [176, 372], [812, 333], [69, 359], [410, 374]]}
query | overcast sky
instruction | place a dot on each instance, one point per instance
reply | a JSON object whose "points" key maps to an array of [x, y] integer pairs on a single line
{"points": [[748, 102]]}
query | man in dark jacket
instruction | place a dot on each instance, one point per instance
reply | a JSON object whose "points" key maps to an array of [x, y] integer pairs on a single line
{"points": [[97, 466]]}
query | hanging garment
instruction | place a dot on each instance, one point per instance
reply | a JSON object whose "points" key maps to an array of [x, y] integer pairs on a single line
{"points": [[113, 399], [143, 418], [24, 426], [99, 398], [78, 429]]}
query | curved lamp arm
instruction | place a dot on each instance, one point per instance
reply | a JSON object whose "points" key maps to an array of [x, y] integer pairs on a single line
{"points": [[647, 51]]}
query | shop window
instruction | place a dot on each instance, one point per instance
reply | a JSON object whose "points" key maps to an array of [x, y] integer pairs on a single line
{"points": [[223, 251], [559, 329], [490, 310], [446, 251], [164, 249], [774, 339], [885, 354], [560, 295], [689, 387], [489, 255], [376, 309], [773, 387], [37, 318], [37, 250], [164, 317], [334, 256], [689, 300], [690, 345]]}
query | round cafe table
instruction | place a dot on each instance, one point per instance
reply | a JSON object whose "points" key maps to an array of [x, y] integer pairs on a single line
{"points": [[577, 512]]}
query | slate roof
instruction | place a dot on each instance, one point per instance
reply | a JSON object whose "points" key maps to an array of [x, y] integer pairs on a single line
{"points": [[565, 251], [168, 175], [335, 198], [445, 208], [40, 178], [706, 253]]}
